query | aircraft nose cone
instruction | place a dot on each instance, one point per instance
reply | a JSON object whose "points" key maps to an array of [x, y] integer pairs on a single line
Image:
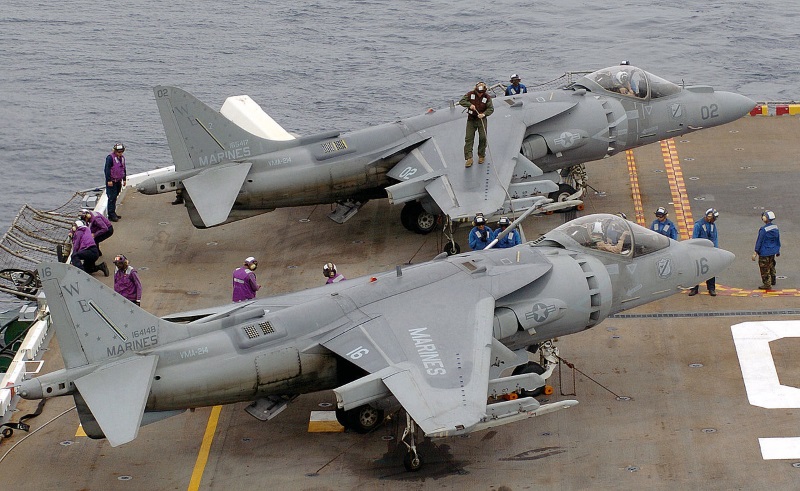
{"points": [[707, 260], [733, 106]]}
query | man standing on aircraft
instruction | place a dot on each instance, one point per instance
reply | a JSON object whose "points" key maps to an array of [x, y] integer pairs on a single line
{"points": [[480, 235], [99, 226], [706, 228], [479, 107], [510, 240], [516, 87], [664, 225], [768, 246], [244, 281], [116, 175], [329, 271], [126, 280]]}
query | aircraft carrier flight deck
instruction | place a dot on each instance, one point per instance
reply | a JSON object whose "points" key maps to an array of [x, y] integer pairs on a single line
{"points": [[664, 390]]}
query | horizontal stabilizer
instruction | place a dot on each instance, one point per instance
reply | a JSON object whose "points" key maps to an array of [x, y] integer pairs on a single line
{"points": [[116, 394], [213, 191]]}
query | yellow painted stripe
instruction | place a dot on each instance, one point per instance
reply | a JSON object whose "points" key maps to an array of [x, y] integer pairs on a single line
{"points": [[633, 174], [794, 109], [677, 187], [205, 449]]}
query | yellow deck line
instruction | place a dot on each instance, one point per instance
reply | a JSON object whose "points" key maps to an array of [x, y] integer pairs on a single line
{"points": [[633, 174], [205, 449], [677, 186]]}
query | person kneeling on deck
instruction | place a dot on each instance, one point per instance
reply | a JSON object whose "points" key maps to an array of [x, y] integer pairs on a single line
{"points": [[126, 280], [84, 249], [99, 226]]}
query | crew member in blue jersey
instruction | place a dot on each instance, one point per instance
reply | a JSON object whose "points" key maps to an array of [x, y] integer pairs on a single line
{"points": [[706, 228], [768, 247], [510, 240], [480, 235], [516, 87], [664, 225]]}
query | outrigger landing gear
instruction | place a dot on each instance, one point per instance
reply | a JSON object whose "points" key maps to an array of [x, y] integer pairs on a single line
{"points": [[451, 247], [411, 460]]}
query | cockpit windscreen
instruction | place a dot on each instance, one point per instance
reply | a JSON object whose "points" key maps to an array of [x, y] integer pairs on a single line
{"points": [[611, 233], [631, 81]]}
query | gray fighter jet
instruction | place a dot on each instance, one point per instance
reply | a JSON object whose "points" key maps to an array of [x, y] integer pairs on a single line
{"points": [[438, 339], [238, 162]]}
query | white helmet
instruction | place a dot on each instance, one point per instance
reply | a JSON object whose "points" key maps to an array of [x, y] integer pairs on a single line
{"points": [[621, 77], [769, 215], [329, 270], [712, 212], [79, 223]]}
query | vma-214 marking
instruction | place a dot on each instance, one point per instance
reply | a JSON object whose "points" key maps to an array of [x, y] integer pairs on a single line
{"points": [[238, 162], [447, 340]]}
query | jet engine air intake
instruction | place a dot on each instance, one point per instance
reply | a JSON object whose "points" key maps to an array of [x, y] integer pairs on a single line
{"points": [[534, 147]]}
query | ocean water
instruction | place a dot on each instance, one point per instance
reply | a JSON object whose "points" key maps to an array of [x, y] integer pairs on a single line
{"points": [[77, 76]]}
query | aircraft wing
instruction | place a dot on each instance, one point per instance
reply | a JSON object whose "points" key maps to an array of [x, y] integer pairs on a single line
{"points": [[436, 168], [431, 347]]}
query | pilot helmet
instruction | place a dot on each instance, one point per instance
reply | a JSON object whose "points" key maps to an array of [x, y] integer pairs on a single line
{"points": [[514, 76], [479, 219], [713, 213], [661, 211], [119, 147], [769, 215], [251, 263], [480, 87], [621, 77], [504, 222], [329, 270], [121, 261]]}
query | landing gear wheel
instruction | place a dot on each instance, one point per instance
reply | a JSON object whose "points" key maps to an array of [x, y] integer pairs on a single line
{"points": [[364, 419], [416, 219], [452, 248], [412, 463], [564, 192], [407, 215], [530, 367]]}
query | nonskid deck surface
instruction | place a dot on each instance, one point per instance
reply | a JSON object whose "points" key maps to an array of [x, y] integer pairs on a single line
{"points": [[663, 402]]}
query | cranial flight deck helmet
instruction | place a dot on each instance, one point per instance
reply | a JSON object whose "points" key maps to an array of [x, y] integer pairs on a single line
{"points": [[479, 220], [769, 215], [661, 211], [251, 263], [504, 222], [119, 147], [329, 270], [713, 213]]}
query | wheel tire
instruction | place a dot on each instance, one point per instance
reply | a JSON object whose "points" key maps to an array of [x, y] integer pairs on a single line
{"points": [[408, 214], [364, 419], [530, 367], [425, 222], [412, 464], [452, 248], [564, 192]]}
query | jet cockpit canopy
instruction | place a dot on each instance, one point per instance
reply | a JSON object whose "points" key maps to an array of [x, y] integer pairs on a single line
{"points": [[629, 81], [609, 233]]}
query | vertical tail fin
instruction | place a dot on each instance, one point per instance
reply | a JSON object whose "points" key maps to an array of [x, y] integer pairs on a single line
{"points": [[94, 323], [200, 136]]}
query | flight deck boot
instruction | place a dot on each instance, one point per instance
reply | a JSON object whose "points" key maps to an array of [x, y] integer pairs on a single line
{"points": [[468, 163], [481, 159]]}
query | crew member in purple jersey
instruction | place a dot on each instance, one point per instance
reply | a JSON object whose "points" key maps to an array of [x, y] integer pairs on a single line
{"points": [[245, 285], [126, 280], [99, 225], [84, 249]]}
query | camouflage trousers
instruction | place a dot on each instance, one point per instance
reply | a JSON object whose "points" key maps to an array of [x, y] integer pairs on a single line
{"points": [[480, 126], [766, 265]]}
